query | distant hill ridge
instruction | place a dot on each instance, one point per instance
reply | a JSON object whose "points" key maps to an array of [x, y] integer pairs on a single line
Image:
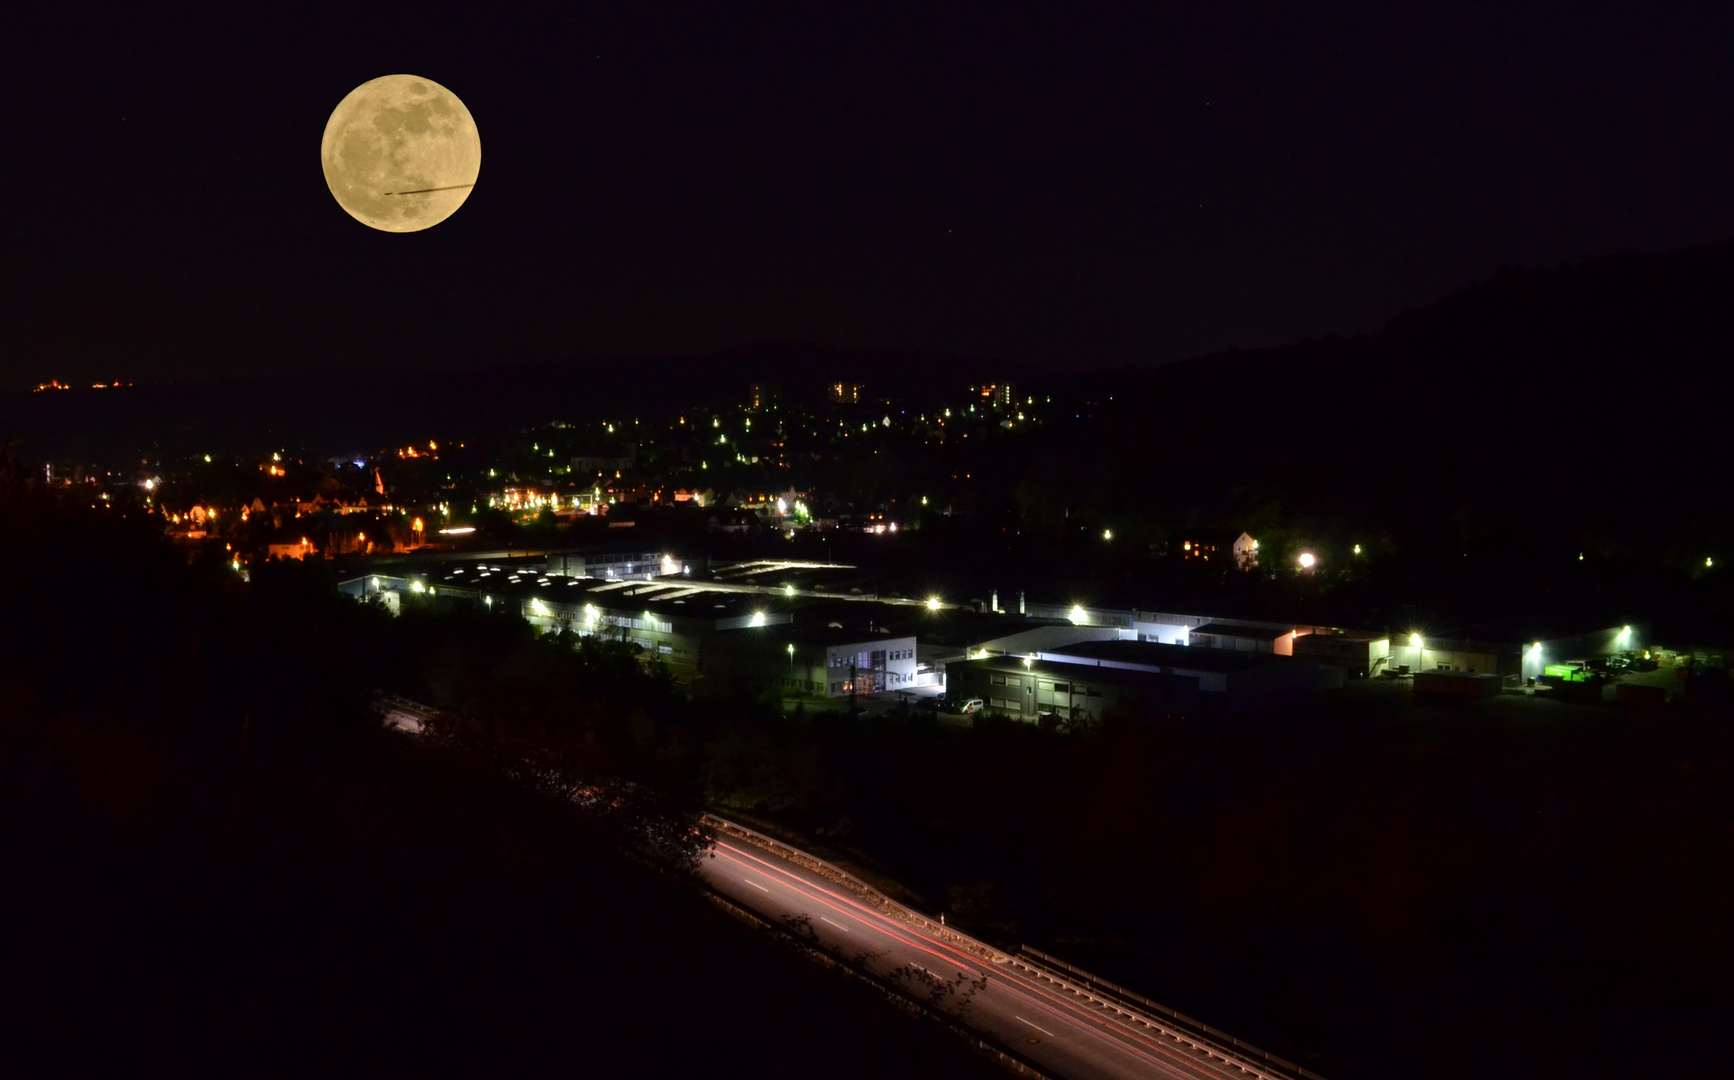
{"points": [[1551, 366], [1591, 392]]}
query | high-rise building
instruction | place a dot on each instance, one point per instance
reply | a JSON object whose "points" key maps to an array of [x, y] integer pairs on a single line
{"points": [[764, 397], [843, 393], [996, 395]]}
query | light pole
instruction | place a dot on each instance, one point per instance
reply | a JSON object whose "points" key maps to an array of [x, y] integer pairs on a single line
{"points": [[1416, 640]]}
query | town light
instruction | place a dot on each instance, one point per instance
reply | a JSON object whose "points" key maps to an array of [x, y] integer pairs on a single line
{"points": [[1307, 560], [416, 586], [933, 603], [1107, 534], [1357, 549], [1415, 640], [758, 618], [1076, 615]]}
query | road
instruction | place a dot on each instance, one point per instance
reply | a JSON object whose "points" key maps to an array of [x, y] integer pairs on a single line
{"points": [[1064, 1032], [1058, 1031]]}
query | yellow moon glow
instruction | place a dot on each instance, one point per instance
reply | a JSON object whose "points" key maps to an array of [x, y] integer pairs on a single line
{"points": [[401, 153]]}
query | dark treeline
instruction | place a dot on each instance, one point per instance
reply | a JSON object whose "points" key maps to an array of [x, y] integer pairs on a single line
{"points": [[217, 863]]}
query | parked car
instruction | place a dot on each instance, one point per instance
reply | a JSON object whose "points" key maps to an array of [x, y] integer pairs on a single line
{"points": [[973, 705]]}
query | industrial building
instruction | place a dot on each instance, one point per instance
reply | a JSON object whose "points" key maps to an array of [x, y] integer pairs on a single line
{"points": [[613, 566], [722, 632], [1026, 689], [1517, 652], [1227, 680]]}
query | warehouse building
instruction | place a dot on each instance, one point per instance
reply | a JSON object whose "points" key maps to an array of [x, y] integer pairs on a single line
{"points": [[1517, 652], [1228, 680], [1027, 689]]}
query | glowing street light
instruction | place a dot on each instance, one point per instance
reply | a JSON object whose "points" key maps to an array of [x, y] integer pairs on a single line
{"points": [[933, 603], [1307, 560]]}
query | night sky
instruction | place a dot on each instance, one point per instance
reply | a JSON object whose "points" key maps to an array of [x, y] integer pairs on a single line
{"points": [[1069, 184]]}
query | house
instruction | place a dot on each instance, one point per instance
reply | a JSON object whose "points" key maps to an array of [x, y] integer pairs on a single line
{"points": [[1245, 550]]}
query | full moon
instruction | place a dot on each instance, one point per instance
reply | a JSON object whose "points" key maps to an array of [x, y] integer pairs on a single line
{"points": [[401, 153]]}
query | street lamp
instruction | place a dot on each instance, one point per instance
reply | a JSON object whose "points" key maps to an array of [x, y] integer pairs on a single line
{"points": [[1415, 640]]}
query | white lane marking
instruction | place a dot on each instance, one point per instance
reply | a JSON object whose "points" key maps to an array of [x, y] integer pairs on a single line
{"points": [[835, 923], [755, 884], [1038, 1027]]}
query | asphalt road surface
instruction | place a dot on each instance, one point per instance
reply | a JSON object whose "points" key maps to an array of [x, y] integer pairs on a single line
{"points": [[1060, 1032]]}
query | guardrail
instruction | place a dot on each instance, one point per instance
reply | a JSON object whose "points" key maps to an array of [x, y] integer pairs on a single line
{"points": [[1005, 1055], [1131, 998], [861, 889]]}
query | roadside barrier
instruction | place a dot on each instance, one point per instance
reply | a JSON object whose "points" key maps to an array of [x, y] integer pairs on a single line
{"points": [[863, 891], [899, 995], [1128, 1004]]}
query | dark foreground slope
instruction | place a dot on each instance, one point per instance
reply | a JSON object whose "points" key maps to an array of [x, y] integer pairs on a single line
{"points": [[214, 864]]}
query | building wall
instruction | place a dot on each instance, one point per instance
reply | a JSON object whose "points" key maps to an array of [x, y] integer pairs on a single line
{"points": [[1005, 686], [874, 666], [1357, 656], [1263, 685], [626, 567], [1166, 633]]}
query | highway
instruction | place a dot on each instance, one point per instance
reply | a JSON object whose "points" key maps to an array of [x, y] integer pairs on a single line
{"points": [[1061, 1032], [1063, 1028]]}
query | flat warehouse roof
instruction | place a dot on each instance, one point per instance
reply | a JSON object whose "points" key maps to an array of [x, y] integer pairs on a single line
{"points": [[1223, 629], [1178, 657], [1068, 673]]}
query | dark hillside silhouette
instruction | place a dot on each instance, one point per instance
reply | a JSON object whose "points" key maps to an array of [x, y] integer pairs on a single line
{"points": [[216, 863]]}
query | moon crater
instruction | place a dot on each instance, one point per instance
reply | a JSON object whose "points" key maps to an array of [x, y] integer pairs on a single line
{"points": [[401, 153]]}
